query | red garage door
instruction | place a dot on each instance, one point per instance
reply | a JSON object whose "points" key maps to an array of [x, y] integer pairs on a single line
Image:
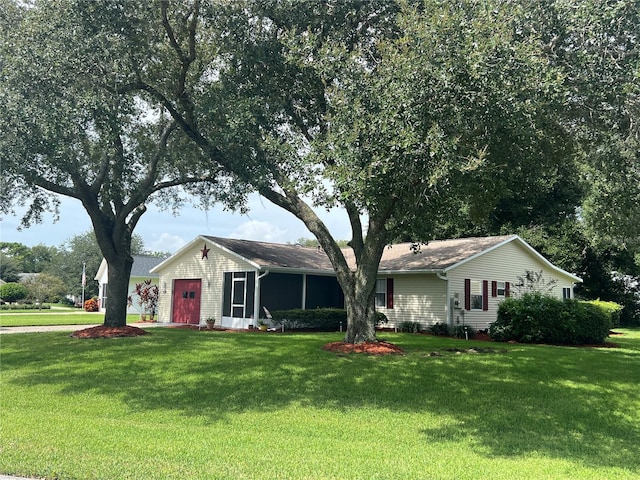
{"points": [[186, 301]]}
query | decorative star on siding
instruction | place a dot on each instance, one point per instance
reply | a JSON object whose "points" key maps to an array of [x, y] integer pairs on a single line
{"points": [[205, 252]]}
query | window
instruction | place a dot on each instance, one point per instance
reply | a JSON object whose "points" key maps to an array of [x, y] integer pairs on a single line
{"points": [[381, 293], [566, 293], [499, 289], [384, 293], [476, 295], [103, 299]]}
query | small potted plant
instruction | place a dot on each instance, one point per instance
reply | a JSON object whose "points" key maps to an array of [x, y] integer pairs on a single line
{"points": [[210, 321]]}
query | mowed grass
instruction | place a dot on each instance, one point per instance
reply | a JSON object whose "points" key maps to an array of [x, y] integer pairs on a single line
{"points": [[65, 316], [180, 404]]}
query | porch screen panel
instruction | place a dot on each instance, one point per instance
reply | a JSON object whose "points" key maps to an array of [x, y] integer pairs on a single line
{"points": [[323, 292], [250, 295], [281, 291]]}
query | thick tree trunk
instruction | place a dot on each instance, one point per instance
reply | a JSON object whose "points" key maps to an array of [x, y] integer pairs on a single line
{"points": [[118, 290], [360, 320], [358, 286]]}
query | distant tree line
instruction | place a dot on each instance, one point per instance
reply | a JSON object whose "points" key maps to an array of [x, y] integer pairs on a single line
{"points": [[59, 268]]}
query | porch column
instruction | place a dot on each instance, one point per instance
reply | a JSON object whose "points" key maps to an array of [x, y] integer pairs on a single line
{"points": [[304, 291], [256, 296]]}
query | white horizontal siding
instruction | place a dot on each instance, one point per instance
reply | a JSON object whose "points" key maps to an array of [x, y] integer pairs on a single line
{"points": [[191, 265], [417, 298], [503, 264]]}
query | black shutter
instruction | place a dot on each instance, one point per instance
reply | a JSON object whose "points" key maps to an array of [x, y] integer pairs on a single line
{"points": [[226, 294], [467, 294], [485, 295]]}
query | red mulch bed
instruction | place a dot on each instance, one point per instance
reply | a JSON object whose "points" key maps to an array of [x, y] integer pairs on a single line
{"points": [[109, 332], [371, 348]]}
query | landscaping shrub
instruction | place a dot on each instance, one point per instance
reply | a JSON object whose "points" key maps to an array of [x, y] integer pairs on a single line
{"points": [[538, 318], [24, 306], [612, 309], [440, 329], [91, 305], [592, 323], [409, 327], [319, 319]]}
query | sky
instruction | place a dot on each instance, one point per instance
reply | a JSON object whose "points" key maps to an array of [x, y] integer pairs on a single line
{"points": [[164, 232]]}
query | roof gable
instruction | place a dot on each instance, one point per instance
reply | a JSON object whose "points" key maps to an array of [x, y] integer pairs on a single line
{"points": [[437, 255]]}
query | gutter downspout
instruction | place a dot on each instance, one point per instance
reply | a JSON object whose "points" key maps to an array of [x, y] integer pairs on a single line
{"points": [[447, 307], [256, 297]]}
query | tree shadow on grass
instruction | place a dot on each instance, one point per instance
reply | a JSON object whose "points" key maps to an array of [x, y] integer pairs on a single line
{"points": [[578, 404]]}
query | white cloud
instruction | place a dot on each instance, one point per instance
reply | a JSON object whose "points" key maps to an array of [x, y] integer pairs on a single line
{"points": [[259, 231], [166, 242]]}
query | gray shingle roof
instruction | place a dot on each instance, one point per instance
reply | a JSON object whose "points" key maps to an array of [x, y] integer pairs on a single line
{"points": [[276, 254], [142, 264], [437, 255]]}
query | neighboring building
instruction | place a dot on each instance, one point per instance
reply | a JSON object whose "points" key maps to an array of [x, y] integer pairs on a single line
{"points": [[452, 281], [140, 271]]}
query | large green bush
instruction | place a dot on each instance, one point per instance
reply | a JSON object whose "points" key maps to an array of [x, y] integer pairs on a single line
{"points": [[538, 318], [613, 309], [320, 319], [12, 292]]}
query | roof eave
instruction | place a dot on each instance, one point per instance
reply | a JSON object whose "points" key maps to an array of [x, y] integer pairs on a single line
{"points": [[412, 272]]}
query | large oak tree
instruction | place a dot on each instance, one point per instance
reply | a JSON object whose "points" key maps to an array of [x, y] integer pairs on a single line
{"points": [[398, 113], [69, 129], [408, 115]]}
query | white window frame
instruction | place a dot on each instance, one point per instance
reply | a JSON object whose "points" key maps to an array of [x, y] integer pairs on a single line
{"points": [[502, 289], [476, 294], [567, 293], [381, 293]]}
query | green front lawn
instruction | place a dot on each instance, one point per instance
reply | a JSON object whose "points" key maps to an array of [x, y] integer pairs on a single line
{"points": [[180, 404], [54, 317]]}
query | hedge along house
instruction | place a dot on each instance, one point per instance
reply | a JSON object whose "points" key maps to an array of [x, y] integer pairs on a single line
{"points": [[453, 281], [140, 271]]}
